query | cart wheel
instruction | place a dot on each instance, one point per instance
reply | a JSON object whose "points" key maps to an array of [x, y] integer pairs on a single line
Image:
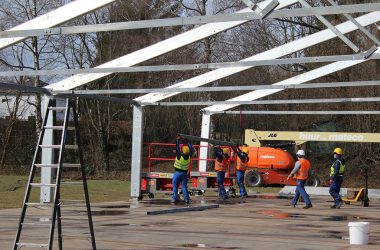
{"points": [[151, 196], [232, 193], [191, 193], [140, 198], [201, 192]]}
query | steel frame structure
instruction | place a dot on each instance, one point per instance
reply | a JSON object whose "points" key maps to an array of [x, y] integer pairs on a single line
{"points": [[213, 26]]}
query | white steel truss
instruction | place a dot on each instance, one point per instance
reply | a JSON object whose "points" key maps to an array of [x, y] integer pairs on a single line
{"points": [[183, 67], [157, 49], [180, 21], [55, 17]]}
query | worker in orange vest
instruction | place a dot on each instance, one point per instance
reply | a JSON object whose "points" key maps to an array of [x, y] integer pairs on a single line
{"points": [[221, 163], [241, 167], [301, 172]]}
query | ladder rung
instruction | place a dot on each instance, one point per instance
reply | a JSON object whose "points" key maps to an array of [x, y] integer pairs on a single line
{"points": [[21, 244], [69, 183], [46, 165], [59, 128], [73, 201], [36, 224], [31, 204], [57, 108], [64, 165], [71, 165], [42, 185], [59, 146]]}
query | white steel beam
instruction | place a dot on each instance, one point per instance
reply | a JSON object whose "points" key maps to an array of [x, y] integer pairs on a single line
{"points": [[55, 17], [315, 112], [363, 29], [266, 102], [277, 52], [180, 21], [197, 66], [202, 89], [299, 79], [157, 49], [332, 28]]}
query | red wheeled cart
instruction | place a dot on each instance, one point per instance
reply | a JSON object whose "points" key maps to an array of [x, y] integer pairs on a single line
{"points": [[157, 178]]}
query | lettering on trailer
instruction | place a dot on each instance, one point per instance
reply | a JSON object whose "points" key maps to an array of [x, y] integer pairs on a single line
{"points": [[332, 137]]}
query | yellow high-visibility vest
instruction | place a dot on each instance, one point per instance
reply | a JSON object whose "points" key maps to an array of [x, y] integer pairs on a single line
{"points": [[182, 164], [341, 169]]}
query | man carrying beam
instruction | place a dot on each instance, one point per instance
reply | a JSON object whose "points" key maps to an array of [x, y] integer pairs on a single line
{"points": [[181, 167]]}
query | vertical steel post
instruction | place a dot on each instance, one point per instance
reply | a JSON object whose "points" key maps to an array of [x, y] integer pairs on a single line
{"points": [[137, 143], [205, 133], [47, 154]]}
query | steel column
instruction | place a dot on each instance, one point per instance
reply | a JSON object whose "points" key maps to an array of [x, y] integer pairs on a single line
{"points": [[137, 144]]}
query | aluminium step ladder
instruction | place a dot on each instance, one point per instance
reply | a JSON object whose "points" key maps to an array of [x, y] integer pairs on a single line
{"points": [[48, 224]]}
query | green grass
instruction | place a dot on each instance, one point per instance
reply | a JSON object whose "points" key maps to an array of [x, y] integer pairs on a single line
{"points": [[12, 191]]}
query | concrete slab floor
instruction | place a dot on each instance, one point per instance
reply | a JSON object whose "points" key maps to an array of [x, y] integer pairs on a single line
{"points": [[261, 222]]}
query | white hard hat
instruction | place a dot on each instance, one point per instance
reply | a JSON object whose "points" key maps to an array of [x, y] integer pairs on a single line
{"points": [[301, 152]]}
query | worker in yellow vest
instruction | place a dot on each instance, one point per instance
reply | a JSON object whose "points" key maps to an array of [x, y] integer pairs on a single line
{"points": [[241, 167], [336, 177], [301, 172], [181, 167], [221, 163]]}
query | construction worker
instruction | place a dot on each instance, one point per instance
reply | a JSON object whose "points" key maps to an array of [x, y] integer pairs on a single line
{"points": [[336, 177], [181, 167], [301, 172], [241, 167], [221, 164]]}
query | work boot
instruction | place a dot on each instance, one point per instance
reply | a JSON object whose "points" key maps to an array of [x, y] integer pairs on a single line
{"points": [[307, 206], [339, 204], [244, 196], [221, 199], [187, 202], [333, 206], [292, 205]]}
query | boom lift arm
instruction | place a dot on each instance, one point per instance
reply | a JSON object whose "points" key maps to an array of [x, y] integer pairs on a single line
{"points": [[254, 138]]}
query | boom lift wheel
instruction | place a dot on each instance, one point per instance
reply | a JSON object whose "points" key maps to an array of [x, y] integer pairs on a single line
{"points": [[313, 181], [253, 178]]}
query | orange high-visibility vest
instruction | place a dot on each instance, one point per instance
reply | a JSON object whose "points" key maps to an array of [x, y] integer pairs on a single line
{"points": [[221, 166], [303, 172], [242, 166]]}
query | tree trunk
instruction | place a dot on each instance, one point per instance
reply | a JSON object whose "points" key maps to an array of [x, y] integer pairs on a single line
{"points": [[8, 131]]}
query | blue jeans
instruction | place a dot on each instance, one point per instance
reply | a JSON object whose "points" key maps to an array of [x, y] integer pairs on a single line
{"points": [[335, 189], [300, 190], [177, 178], [240, 181], [220, 179]]}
